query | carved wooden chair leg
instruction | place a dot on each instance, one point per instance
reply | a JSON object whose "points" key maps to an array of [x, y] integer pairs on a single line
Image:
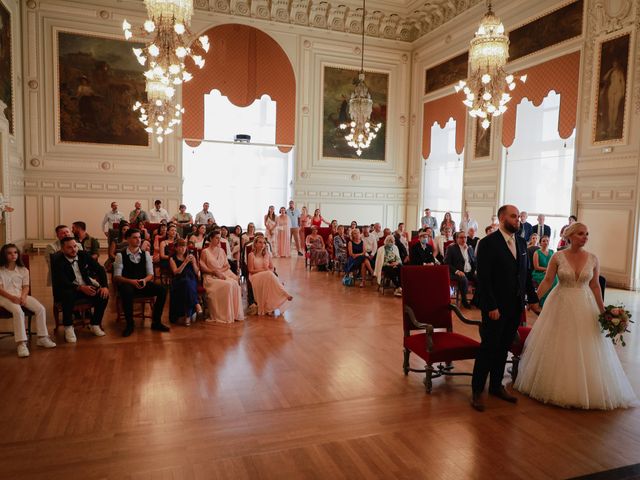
{"points": [[405, 364], [428, 383]]}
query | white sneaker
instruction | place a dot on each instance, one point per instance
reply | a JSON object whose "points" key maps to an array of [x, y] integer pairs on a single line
{"points": [[397, 292], [45, 342], [97, 331], [23, 351], [70, 335]]}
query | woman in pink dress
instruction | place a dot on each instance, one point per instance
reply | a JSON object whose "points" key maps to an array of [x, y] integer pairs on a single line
{"points": [[224, 295], [269, 293], [305, 222], [283, 234], [270, 229]]}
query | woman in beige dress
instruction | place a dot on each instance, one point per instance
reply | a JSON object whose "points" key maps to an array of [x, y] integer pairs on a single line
{"points": [[224, 295], [283, 234], [269, 293]]}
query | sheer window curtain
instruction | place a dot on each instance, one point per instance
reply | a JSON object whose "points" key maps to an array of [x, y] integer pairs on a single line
{"points": [[443, 174], [538, 167], [240, 181]]}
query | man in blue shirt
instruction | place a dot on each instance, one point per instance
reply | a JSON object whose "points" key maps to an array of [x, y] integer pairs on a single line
{"points": [[294, 219]]}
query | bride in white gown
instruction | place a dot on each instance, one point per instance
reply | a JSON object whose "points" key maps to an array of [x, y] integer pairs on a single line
{"points": [[567, 361]]}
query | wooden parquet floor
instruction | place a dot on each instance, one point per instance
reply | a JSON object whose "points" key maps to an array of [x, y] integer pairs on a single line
{"points": [[317, 394]]}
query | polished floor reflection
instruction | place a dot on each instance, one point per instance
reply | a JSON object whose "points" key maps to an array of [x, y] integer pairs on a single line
{"points": [[318, 393]]}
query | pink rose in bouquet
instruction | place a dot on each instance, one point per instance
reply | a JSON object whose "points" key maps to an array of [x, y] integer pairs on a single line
{"points": [[615, 321]]}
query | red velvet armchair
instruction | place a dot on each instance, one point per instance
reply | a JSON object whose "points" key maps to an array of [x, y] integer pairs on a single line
{"points": [[426, 306]]}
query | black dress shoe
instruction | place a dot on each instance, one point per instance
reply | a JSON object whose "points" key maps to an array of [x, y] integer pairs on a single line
{"points": [[300, 254], [159, 327], [476, 402], [127, 331], [502, 394]]}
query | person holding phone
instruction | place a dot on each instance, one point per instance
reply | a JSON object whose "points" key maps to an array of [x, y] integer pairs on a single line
{"points": [[133, 275]]}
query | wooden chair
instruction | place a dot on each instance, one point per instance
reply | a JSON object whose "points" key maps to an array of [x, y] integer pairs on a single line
{"points": [[82, 310], [141, 302], [5, 314], [426, 306]]}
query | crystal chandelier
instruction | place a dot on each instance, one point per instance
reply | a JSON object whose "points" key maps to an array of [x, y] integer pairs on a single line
{"points": [[169, 41], [361, 130], [159, 114], [488, 84]]}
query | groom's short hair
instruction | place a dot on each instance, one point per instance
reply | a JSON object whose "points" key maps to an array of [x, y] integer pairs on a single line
{"points": [[502, 210]]}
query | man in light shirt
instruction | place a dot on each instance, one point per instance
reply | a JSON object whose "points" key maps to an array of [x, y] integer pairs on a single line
{"points": [[111, 217], [133, 276], [370, 242], [377, 231], [467, 223], [157, 213], [205, 217], [294, 218]]}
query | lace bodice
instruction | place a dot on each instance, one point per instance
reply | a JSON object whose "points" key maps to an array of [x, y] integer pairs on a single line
{"points": [[569, 278]]}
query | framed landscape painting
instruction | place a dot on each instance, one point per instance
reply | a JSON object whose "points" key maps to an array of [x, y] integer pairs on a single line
{"points": [[6, 67], [337, 88], [99, 79], [611, 89]]}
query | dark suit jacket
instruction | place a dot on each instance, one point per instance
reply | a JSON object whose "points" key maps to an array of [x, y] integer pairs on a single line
{"points": [[401, 248], [455, 260], [420, 256], [62, 276], [528, 230], [504, 282], [472, 242], [546, 230]]}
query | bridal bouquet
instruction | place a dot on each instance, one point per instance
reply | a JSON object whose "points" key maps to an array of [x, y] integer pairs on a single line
{"points": [[615, 321]]}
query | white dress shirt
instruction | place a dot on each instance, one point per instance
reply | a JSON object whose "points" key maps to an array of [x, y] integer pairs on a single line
{"points": [[109, 219], [202, 217], [465, 254], [157, 215]]}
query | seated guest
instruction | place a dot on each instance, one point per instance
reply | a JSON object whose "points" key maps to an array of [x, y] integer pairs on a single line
{"points": [[388, 261], [138, 215], [62, 231], [376, 232], [472, 240], [183, 301], [76, 276], [224, 240], [429, 232], [197, 238], [89, 244], [421, 252], [340, 247], [532, 246], [157, 214], [145, 236], [370, 243], [563, 243], [402, 234], [268, 292], [158, 237], [358, 257], [462, 265], [317, 252], [133, 276], [385, 233], [442, 242], [167, 245], [116, 245], [224, 294], [248, 236], [182, 219], [541, 259], [235, 239], [404, 251], [14, 294], [333, 231]]}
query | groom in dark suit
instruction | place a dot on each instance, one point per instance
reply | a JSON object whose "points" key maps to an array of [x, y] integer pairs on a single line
{"points": [[504, 285]]}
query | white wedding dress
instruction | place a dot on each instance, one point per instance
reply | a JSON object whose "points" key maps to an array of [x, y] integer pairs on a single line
{"points": [[567, 360]]}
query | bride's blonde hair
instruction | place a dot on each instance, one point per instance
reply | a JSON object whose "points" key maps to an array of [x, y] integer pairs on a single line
{"points": [[573, 228]]}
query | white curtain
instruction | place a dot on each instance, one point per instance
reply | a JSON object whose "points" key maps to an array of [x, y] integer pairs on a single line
{"points": [[239, 181], [538, 174], [442, 186]]}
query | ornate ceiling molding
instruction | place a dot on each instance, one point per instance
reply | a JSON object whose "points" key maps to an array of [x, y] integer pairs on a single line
{"points": [[342, 18]]}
